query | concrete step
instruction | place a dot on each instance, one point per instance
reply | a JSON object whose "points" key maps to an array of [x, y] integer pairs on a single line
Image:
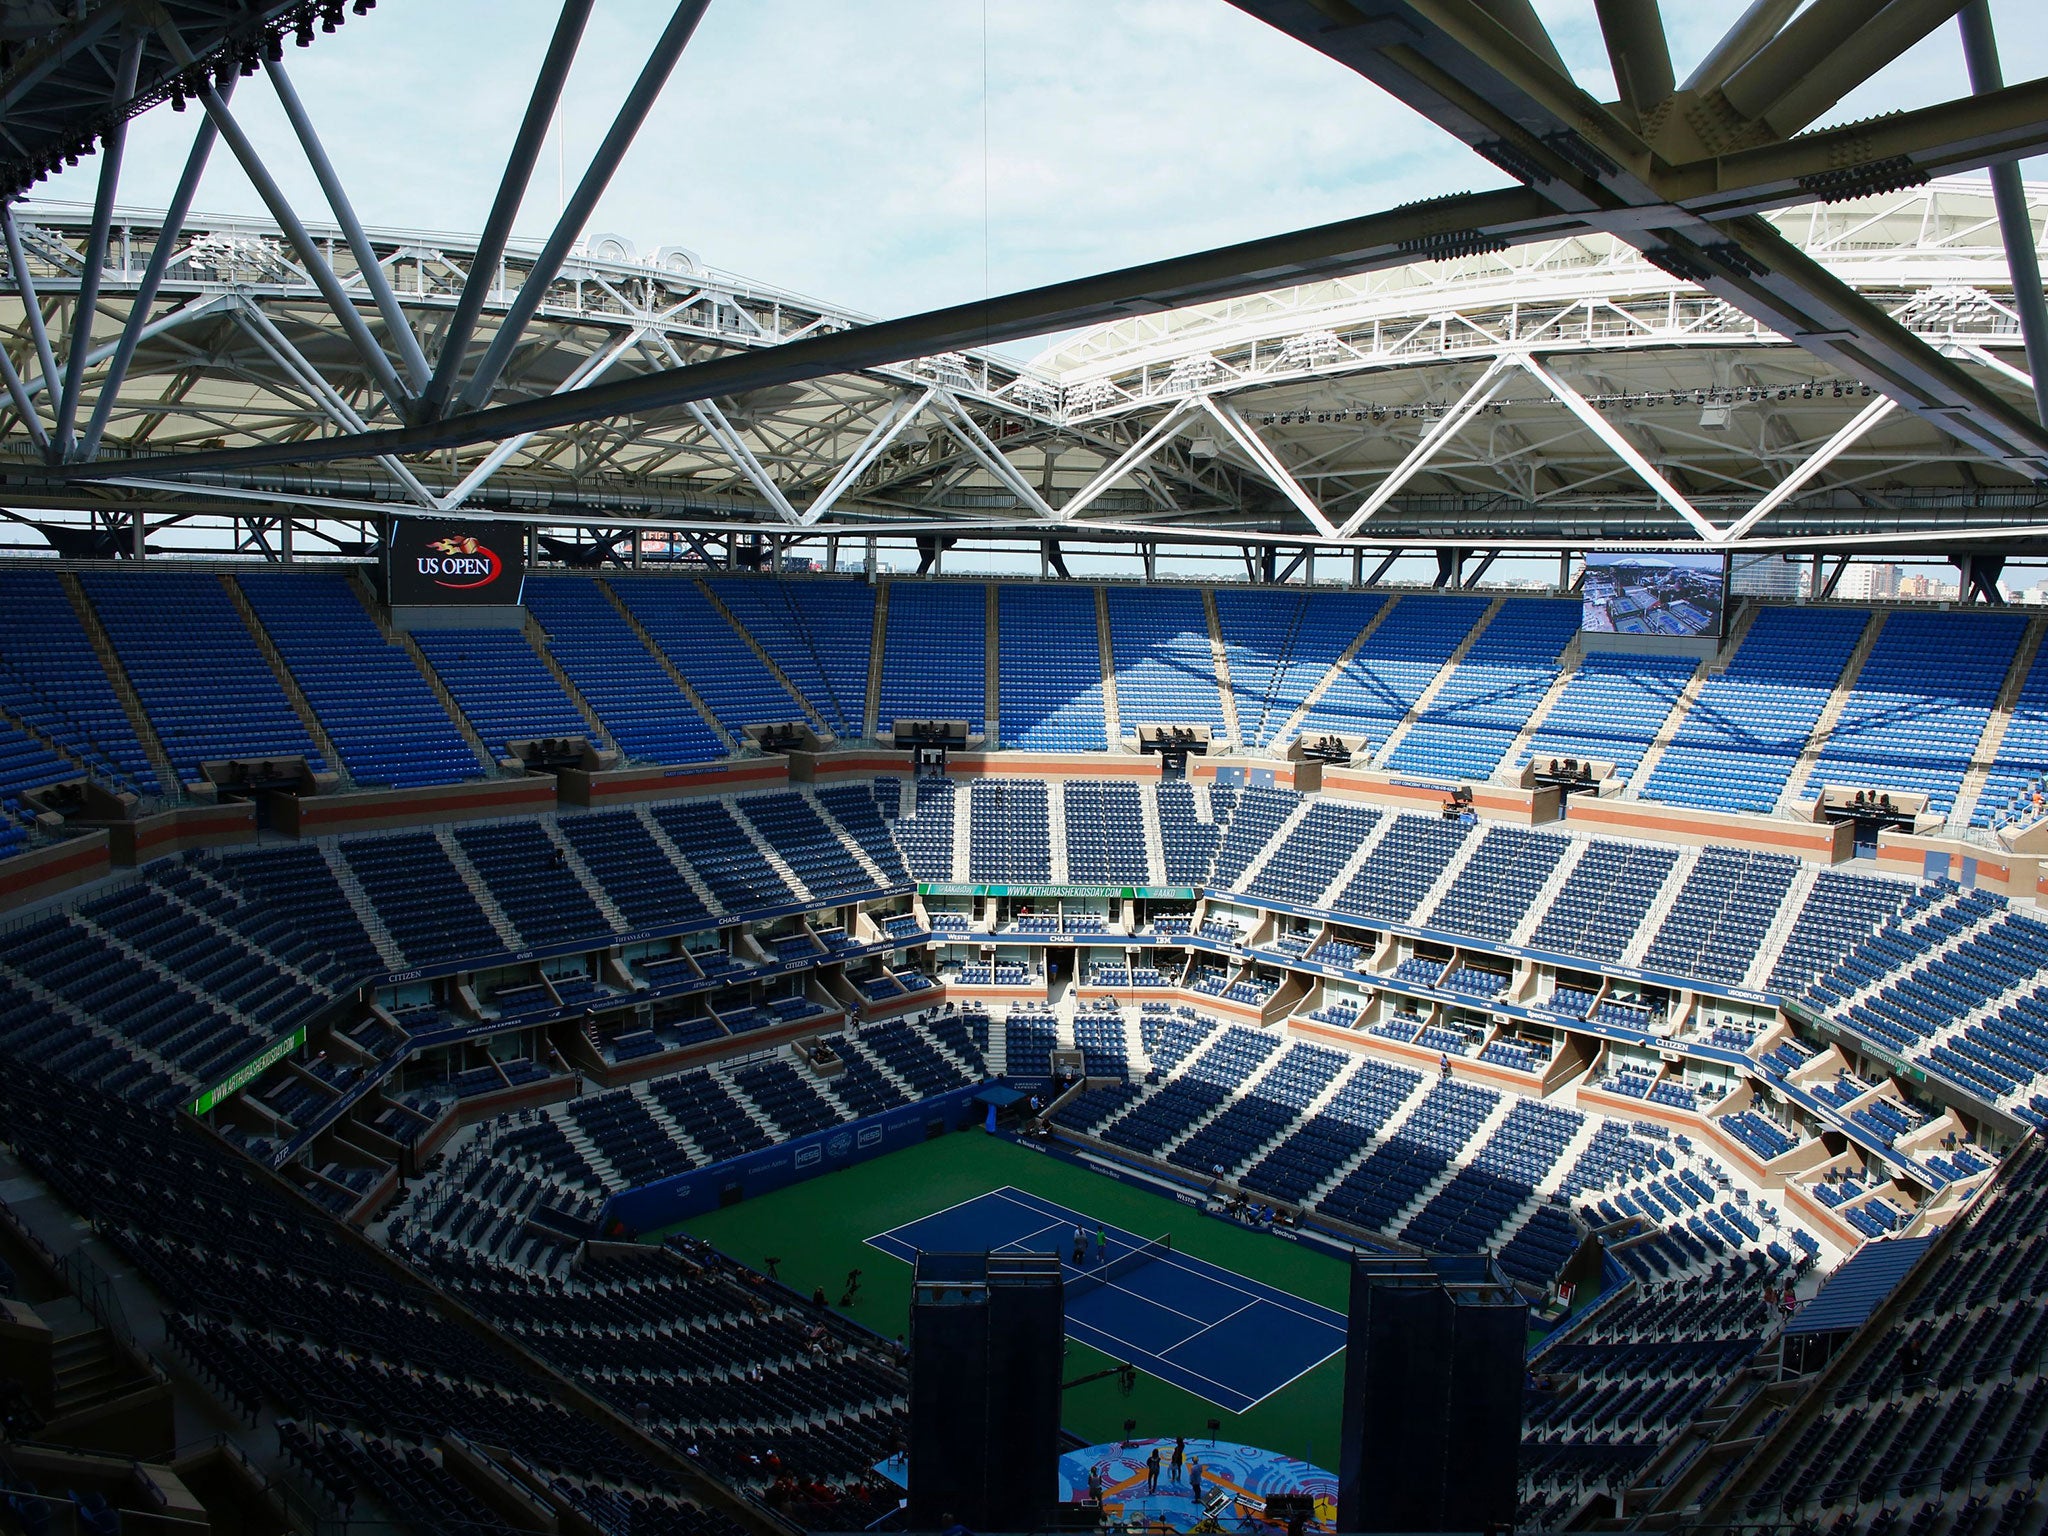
{"points": [[472, 877]]}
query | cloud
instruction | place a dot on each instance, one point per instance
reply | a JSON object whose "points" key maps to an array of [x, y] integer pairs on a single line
{"points": [[895, 155]]}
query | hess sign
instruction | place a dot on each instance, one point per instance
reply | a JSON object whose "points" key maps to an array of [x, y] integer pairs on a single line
{"points": [[435, 562]]}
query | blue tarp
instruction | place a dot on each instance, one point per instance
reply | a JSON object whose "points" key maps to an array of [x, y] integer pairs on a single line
{"points": [[1859, 1287]]}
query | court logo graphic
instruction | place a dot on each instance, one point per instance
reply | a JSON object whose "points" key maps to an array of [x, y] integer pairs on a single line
{"points": [[464, 562], [841, 1144]]}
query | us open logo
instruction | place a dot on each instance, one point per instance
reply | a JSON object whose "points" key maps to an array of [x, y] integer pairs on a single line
{"points": [[462, 562]]}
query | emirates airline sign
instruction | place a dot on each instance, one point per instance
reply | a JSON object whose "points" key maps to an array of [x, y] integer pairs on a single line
{"points": [[433, 561]]}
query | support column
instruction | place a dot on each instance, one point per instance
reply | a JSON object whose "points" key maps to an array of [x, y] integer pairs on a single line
{"points": [[2015, 226]]}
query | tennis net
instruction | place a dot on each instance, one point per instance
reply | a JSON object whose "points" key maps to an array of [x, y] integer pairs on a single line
{"points": [[1109, 1272]]}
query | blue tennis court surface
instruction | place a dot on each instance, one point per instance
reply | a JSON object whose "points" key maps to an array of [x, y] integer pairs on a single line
{"points": [[1230, 1340]]}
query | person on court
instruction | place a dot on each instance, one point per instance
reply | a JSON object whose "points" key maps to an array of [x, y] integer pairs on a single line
{"points": [[1180, 1457], [1101, 1242], [1195, 1481], [1080, 1247], [1152, 1471]]}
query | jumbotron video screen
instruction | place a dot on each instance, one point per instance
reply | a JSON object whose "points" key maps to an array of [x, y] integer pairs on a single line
{"points": [[1680, 596]]}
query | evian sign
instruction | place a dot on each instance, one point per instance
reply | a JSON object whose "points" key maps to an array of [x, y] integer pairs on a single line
{"points": [[441, 562]]}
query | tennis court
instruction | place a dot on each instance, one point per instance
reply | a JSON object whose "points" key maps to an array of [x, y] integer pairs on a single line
{"points": [[1224, 1337]]}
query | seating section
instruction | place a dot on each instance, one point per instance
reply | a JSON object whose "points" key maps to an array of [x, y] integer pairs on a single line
{"points": [[1105, 833], [1400, 870], [529, 877], [819, 633], [1611, 710], [712, 657], [369, 697], [51, 681], [2021, 764], [206, 688], [501, 685], [268, 1302], [1278, 644], [1840, 912], [1165, 667], [1725, 911], [1737, 745], [854, 808], [1314, 853], [1603, 900], [1188, 839], [1375, 689], [621, 681], [421, 898], [25, 764], [798, 834], [1009, 838], [642, 881], [1049, 656], [1499, 883], [1608, 1397], [1920, 705], [926, 834], [1467, 728], [935, 653], [724, 857], [1941, 1406]]}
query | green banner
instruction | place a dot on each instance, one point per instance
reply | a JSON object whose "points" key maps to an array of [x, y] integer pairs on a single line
{"points": [[249, 1071], [1126, 892]]}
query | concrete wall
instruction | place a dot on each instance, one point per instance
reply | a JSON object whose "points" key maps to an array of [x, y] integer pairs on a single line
{"points": [[379, 810], [632, 786], [31, 877], [1815, 842]]}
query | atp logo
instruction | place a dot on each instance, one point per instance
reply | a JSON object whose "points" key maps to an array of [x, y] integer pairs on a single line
{"points": [[463, 562]]}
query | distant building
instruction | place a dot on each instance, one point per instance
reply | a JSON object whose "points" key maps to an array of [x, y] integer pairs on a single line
{"points": [[1766, 576]]}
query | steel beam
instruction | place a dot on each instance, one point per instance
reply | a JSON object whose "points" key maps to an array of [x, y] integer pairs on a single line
{"points": [[23, 406], [395, 323], [1448, 61], [901, 412], [591, 368], [490, 247], [79, 342], [668, 48], [1622, 448], [1371, 243], [1268, 464], [1829, 50], [2015, 224], [1758, 25], [374, 357], [1141, 450], [1446, 427], [1637, 52], [990, 457], [1818, 460], [136, 330], [25, 285], [722, 431], [288, 357]]}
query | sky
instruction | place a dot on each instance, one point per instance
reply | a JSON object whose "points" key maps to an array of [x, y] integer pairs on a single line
{"points": [[890, 156], [896, 155]]}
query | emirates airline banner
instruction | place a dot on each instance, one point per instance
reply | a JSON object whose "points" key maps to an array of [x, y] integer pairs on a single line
{"points": [[454, 562]]}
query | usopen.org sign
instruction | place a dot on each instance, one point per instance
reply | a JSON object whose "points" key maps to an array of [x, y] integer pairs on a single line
{"points": [[443, 562]]}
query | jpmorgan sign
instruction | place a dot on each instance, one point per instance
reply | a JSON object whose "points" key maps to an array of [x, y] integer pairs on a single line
{"points": [[442, 562]]}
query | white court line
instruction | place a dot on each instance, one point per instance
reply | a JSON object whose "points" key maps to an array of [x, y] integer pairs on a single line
{"points": [[1114, 1344], [1211, 1272]]}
